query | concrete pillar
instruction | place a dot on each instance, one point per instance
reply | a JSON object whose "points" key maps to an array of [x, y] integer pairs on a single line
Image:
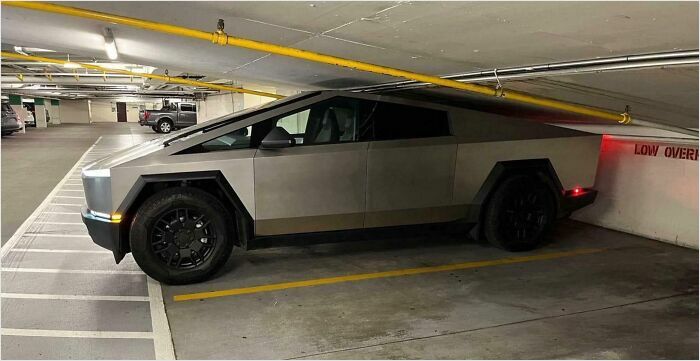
{"points": [[54, 111], [40, 112]]}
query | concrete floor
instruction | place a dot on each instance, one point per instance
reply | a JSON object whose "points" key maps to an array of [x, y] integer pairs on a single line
{"points": [[62, 296], [636, 298], [34, 162]]}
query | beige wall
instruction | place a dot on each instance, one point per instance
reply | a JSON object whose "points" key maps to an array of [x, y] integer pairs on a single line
{"points": [[217, 105], [654, 196], [102, 112], [75, 111], [106, 111]]}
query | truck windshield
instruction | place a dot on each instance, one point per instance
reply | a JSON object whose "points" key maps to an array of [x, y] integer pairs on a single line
{"points": [[232, 118]]}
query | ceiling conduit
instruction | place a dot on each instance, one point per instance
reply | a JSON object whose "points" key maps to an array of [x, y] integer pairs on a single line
{"points": [[219, 37], [165, 78]]}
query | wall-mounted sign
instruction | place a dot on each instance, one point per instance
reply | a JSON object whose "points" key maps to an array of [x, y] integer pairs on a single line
{"points": [[666, 151]]}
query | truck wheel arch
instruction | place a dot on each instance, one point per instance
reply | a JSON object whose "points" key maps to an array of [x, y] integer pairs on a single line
{"points": [[540, 168], [212, 182]]}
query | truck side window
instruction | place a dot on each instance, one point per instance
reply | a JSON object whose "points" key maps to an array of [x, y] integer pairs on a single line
{"points": [[186, 107], [332, 121], [398, 121]]}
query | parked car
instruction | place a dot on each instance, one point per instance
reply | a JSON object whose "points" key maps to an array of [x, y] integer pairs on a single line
{"points": [[10, 121], [175, 116], [333, 161], [29, 120]]}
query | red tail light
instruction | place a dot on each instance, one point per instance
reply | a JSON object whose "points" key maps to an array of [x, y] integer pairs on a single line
{"points": [[575, 192], [145, 115]]}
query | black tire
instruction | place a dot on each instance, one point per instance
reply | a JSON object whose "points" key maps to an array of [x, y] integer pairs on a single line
{"points": [[4, 134], [157, 238], [519, 214], [155, 128], [165, 126]]}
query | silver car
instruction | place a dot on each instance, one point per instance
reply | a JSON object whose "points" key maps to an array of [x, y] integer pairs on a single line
{"points": [[333, 161]]}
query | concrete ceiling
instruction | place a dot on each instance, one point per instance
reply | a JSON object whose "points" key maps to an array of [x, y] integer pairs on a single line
{"points": [[429, 37]]}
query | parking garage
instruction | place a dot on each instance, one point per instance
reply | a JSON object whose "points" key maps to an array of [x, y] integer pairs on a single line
{"points": [[349, 180]]}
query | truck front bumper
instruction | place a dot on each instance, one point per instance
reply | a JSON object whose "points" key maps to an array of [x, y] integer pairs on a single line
{"points": [[104, 232]]}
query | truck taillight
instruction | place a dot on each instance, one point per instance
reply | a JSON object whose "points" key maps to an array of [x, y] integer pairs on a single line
{"points": [[145, 115]]}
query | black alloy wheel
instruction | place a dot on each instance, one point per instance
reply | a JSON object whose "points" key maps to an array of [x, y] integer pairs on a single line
{"points": [[520, 214], [183, 238], [182, 235]]}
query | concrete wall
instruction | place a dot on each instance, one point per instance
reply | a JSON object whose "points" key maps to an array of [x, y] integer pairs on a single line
{"points": [[647, 188], [106, 111], [75, 111], [217, 105], [103, 112]]}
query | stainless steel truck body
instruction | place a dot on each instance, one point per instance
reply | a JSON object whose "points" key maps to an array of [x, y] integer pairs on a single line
{"points": [[333, 161]]}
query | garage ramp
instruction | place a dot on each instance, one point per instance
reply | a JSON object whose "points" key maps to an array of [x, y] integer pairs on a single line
{"points": [[63, 297]]}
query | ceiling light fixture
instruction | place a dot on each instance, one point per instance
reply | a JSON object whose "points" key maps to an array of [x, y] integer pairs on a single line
{"points": [[18, 49], [70, 65], [110, 44]]}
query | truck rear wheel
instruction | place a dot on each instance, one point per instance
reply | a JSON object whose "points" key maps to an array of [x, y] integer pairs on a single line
{"points": [[165, 126], [181, 235], [520, 214]]}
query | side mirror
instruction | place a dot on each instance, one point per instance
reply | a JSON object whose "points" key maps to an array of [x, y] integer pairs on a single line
{"points": [[277, 138]]}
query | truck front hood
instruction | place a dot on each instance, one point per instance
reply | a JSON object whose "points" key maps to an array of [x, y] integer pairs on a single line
{"points": [[100, 168]]}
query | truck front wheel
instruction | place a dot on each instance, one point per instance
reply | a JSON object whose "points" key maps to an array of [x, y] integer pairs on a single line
{"points": [[181, 235], [520, 214]]}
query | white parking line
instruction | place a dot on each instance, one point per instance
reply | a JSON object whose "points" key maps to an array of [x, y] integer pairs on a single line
{"points": [[162, 339], [39, 296], [64, 223], [73, 271], [72, 190], [74, 334], [72, 197], [45, 250], [65, 204], [47, 201], [57, 235], [51, 213]]}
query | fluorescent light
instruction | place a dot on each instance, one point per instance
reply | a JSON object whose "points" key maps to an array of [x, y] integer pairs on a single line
{"points": [[110, 45], [70, 65], [18, 49]]}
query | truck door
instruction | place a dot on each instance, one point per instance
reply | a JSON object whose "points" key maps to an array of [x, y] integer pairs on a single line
{"points": [[187, 115], [410, 167], [319, 184]]}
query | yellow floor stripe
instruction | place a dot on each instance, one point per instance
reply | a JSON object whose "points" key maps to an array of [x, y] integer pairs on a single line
{"points": [[385, 274]]}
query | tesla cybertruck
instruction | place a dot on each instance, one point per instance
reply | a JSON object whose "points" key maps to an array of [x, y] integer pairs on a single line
{"points": [[331, 161]]}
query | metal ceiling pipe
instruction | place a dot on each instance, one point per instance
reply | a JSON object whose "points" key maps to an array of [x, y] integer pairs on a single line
{"points": [[44, 74], [553, 69], [165, 78], [6, 79], [221, 38]]}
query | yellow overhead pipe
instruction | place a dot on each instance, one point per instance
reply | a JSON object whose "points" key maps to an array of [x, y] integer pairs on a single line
{"points": [[165, 78], [221, 38]]}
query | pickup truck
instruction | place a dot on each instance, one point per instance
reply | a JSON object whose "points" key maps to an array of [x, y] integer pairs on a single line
{"points": [[169, 118], [332, 161]]}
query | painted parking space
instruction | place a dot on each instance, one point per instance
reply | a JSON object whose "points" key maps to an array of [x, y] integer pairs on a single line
{"points": [[65, 296]]}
